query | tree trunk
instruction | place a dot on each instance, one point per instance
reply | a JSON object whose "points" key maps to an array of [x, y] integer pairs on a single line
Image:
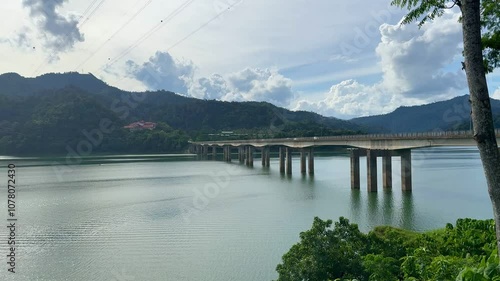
{"points": [[482, 119]]}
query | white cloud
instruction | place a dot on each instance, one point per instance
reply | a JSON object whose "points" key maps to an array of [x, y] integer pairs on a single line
{"points": [[414, 64], [496, 94], [162, 71], [413, 60], [262, 85]]}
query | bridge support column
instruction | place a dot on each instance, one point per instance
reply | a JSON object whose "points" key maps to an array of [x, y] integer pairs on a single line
{"points": [[371, 165], [355, 169], [311, 161], [406, 170], [263, 156], [387, 169], [214, 152], [205, 151], [303, 167], [249, 158], [241, 154], [228, 158], [268, 156], [282, 159], [288, 160]]}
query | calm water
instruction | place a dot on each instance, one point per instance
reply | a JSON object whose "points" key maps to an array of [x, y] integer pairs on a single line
{"points": [[177, 218]]}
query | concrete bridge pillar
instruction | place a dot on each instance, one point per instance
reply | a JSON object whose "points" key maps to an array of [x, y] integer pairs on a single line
{"points": [[311, 161], [303, 161], [228, 158], [263, 156], [268, 156], [387, 169], [241, 154], [249, 156], [282, 159], [214, 152], [205, 151], [245, 148], [355, 169], [406, 170], [371, 165], [288, 160]]}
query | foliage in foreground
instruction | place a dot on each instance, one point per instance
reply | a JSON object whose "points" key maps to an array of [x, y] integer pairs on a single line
{"points": [[464, 252]]}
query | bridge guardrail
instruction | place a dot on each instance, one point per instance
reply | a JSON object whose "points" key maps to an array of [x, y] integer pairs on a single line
{"points": [[396, 136]]}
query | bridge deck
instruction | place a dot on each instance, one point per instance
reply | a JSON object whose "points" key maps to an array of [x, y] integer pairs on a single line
{"points": [[370, 141]]}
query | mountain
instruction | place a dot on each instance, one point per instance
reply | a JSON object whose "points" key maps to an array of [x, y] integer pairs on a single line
{"points": [[52, 112], [13, 84], [443, 115]]}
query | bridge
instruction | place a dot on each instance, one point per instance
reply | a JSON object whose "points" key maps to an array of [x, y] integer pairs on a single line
{"points": [[372, 146]]}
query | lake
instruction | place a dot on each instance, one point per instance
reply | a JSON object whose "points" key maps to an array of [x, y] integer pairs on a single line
{"points": [[173, 217]]}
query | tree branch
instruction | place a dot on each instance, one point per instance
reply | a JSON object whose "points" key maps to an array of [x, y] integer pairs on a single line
{"points": [[456, 2]]}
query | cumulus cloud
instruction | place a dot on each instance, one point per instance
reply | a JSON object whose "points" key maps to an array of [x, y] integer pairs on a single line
{"points": [[496, 94], [349, 99], [414, 64], [413, 60], [162, 71], [214, 87], [59, 32], [262, 85]]}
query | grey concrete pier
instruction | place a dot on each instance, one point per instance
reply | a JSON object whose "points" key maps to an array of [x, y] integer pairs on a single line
{"points": [[282, 159], [311, 161], [406, 170], [303, 168], [355, 169], [387, 169], [288, 160], [371, 169], [265, 154]]}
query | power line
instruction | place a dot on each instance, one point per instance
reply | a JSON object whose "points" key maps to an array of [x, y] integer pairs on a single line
{"points": [[189, 35], [151, 31], [88, 9], [92, 12], [114, 34], [202, 26]]}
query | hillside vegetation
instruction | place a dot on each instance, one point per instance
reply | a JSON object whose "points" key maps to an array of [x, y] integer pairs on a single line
{"points": [[465, 251], [55, 113], [439, 116]]}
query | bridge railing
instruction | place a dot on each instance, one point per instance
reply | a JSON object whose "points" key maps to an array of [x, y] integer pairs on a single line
{"points": [[395, 136]]}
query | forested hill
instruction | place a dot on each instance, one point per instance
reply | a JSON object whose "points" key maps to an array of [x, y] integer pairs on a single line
{"points": [[443, 115], [50, 112]]}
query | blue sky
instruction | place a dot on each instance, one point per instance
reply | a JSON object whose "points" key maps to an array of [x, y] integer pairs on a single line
{"points": [[337, 58]]}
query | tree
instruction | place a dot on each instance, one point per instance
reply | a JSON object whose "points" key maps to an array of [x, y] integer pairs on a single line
{"points": [[324, 253], [482, 54]]}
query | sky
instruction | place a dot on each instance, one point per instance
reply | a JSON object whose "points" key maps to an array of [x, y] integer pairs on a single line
{"points": [[338, 58]]}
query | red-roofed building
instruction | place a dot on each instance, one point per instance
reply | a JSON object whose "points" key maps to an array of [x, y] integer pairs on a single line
{"points": [[140, 125]]}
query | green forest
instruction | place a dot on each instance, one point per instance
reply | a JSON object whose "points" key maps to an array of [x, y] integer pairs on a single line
{"points": [[465, 251], [56, 113]]}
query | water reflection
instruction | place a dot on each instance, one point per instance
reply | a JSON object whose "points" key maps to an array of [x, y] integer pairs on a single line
{"points": [[388, 207], [372, 202], [407, 219], [355, 204]]}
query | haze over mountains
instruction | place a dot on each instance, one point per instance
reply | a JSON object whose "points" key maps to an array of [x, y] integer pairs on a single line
{"points": [[51, 112], [441, 116]]}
